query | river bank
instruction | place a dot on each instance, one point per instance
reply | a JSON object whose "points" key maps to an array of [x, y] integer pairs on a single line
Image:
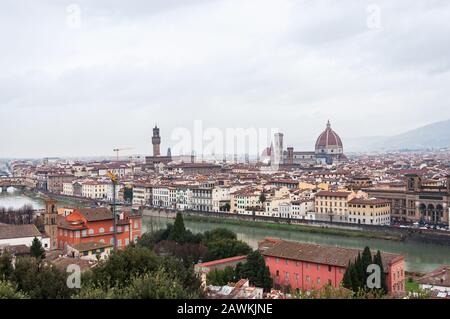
{"points": [[294, 227], [316, 227]]}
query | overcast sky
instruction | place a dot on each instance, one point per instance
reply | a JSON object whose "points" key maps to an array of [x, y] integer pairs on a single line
{"points": [[72, 86]]}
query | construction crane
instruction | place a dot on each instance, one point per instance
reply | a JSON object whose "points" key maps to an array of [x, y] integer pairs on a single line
{"points": [[114, 181], [117, 150]]}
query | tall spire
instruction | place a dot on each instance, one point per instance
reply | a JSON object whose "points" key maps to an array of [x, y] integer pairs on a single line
{"points": [[328, 124]]}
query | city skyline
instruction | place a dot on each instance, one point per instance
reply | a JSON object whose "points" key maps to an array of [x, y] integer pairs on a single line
{"points": [[101, 77]]}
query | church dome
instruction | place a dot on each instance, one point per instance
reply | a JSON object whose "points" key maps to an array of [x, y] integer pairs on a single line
{"points": [[328, 139]]}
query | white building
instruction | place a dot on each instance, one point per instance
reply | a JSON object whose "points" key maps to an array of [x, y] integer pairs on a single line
{"points": [[183, 198], [95, 189], [160, 196], [302, 209], [13, 235]]}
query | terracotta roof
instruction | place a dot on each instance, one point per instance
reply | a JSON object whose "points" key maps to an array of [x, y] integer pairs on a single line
{"points": [[373, 201], [95, 214], [336, 194], [320, 254], [438, 277], [222, 261], [90, 246], [18, 231]]}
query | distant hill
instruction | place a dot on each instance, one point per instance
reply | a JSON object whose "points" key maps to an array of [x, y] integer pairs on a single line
{"points": [[432, 136]]}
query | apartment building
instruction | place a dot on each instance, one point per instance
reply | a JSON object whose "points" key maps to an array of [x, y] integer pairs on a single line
{"points": [[95, 189], [202, 198], [183, 197], [161, 196], [142, 194], [333, 206], [369, 211]]}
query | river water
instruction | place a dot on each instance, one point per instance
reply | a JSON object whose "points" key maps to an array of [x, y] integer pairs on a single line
{"points": [[419, 257]]}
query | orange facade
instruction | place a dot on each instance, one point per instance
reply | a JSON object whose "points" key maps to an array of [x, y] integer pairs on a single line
{"points": [[97, 225]]}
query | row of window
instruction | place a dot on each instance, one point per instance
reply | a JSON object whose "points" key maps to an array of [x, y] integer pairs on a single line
{"points": [[91, 231], [307, 265], [297, 278]]}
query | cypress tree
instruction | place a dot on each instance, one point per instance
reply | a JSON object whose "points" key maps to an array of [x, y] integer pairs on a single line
{"points": [[178, 231], [354, 278], [360, 271], [366, 260], [36, 249], [378, 261], [347, 280]]}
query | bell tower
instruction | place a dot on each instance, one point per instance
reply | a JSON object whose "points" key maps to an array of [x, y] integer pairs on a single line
{"points": [[156, 141], [50, 222]]}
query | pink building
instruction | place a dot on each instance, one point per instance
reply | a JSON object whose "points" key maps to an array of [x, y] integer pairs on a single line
{"points": [[308, 266]]}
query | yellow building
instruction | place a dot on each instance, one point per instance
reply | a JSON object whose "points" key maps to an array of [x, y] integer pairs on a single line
{"points": [[333, 206]]}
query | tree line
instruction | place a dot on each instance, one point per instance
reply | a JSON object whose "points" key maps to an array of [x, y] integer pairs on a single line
{"points": [[21, 216]]}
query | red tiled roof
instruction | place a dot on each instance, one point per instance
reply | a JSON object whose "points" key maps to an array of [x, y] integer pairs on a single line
{"points": [[336, 194], [320, 254], [222, 261]]}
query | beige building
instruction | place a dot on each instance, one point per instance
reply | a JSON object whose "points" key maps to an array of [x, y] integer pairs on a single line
{"points": [[142, 194], [55, 182], [246, 201], [333, 206], [369, 211], [95, 189]]}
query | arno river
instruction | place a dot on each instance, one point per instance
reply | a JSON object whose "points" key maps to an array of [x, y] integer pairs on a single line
{"points": [[419, 257]]}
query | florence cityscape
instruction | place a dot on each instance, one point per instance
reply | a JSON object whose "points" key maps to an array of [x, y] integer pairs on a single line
{"points": [[225, 150]]}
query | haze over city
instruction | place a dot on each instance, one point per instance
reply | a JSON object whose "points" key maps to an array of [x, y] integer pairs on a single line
{"points": [[81, 79]]}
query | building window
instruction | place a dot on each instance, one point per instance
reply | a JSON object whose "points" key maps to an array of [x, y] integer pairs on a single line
{"points": [[307, 278], [101, 230], [83, 233], [318, 280], [329, 268], [91, 231]]}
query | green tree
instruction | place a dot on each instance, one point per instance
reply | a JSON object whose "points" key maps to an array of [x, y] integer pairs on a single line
{"points": [[221, 277], [256, 271], [378, 261], [347, 279], [366, 260], [178, 232], [8, 291], [223, 248], [158, 285], [6, 267], [122, 265], [40, 280], [36, 249], [218, 234], [356, 284]]}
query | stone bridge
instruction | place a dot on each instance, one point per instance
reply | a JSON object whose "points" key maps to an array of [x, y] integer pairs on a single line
{"points": [[17, 182]]}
